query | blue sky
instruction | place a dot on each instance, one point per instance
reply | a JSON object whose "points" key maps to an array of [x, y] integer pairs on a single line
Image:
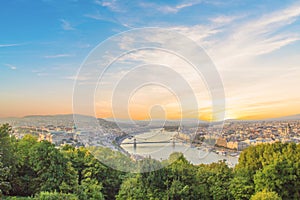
{"points": [[254, 45]]}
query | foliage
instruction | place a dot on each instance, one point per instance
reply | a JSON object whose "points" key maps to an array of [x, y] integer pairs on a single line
{"points": [[265, 195], [279, 177], [89, 190], [179, 180], [56, 196], [4, 184], [7, 146], [275, 167], [52, 168], [30, 168], [23, 182], [93, 176], [6, 158], [241, 186], [18, 198]]}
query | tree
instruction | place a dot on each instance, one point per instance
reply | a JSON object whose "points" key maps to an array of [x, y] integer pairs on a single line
{"points": [[181, 179], [7, 158], [241, 186], [7, 146], [151, 173], [274, 167], [91, 173], [56, 196], [54, 172], [132, 188], [202, 185], [22, 182], [219, 181], [4, 184], [179, 190], [279, 177], [265, 195], [90, 190]]}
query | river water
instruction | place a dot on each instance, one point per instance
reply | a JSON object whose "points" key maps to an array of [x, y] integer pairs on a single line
{"points": [[161, 151]]}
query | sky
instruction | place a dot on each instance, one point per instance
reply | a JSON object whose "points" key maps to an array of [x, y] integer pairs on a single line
{"points": [[254, 45]]}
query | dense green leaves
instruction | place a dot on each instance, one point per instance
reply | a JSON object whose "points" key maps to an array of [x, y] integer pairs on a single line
{"points": [[56, 196], [23, 182], [7, 146], [43, 171], [93, 177], [265, 195], [52, 168], [273, 167], [7, 161], [241, 186], [4, 184]]}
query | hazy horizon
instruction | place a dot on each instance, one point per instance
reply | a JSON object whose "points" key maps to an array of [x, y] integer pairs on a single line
{"points": [[156, 119]]}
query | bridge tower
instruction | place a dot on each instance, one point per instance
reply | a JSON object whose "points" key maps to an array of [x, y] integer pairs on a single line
{"points": [[134, 144], [173, 142]]}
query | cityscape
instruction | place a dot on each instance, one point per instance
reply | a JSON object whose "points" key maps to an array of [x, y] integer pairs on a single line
{"points": [[149, 100], [228, 138]]}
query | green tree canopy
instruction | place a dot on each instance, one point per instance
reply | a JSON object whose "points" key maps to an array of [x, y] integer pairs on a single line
{"points": [[265, 195]]}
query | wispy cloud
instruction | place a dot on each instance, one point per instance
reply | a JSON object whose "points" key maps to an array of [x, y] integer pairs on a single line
{"points": [[257, 36], [229, 42], [99, 16], [177, 8], [111, 4], [78, 78], [202, 34], [12, 67], [118, 6], [237, 44], [40, 73], [66, 25], [96, 16], [11, 45], [58, 56], [224, 19], [168, 8]]}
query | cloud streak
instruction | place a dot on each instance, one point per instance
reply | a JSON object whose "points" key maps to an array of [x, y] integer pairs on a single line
{"points": [[12, 67], [58, 56], [11, 45], [111, 4], [167, 9], [66, 25], [229, 42]]}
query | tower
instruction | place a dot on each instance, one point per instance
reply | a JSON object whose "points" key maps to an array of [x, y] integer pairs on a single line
{"points": [[134, 145], [74, 130]]}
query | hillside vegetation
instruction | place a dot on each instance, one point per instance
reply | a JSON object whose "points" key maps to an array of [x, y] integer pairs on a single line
{"points": [[38, 170]]}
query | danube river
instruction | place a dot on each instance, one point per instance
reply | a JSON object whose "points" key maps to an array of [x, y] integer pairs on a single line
{"points": [[146, 146]]}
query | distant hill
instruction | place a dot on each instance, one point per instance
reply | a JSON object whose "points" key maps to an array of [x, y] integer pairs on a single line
{"points": [[58, 116], [291, 117], [109, 122], [67, 119], [284, 118]]}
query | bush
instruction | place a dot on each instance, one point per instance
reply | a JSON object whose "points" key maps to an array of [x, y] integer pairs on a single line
{"points": [[17, 198], [56, 196], [265, 195]]}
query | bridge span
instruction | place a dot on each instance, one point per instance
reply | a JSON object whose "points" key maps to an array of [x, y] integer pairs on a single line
{"points": [[135, 142]]}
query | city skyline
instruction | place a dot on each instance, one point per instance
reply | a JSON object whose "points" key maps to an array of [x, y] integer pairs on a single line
{"points": [[254, 46]]}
